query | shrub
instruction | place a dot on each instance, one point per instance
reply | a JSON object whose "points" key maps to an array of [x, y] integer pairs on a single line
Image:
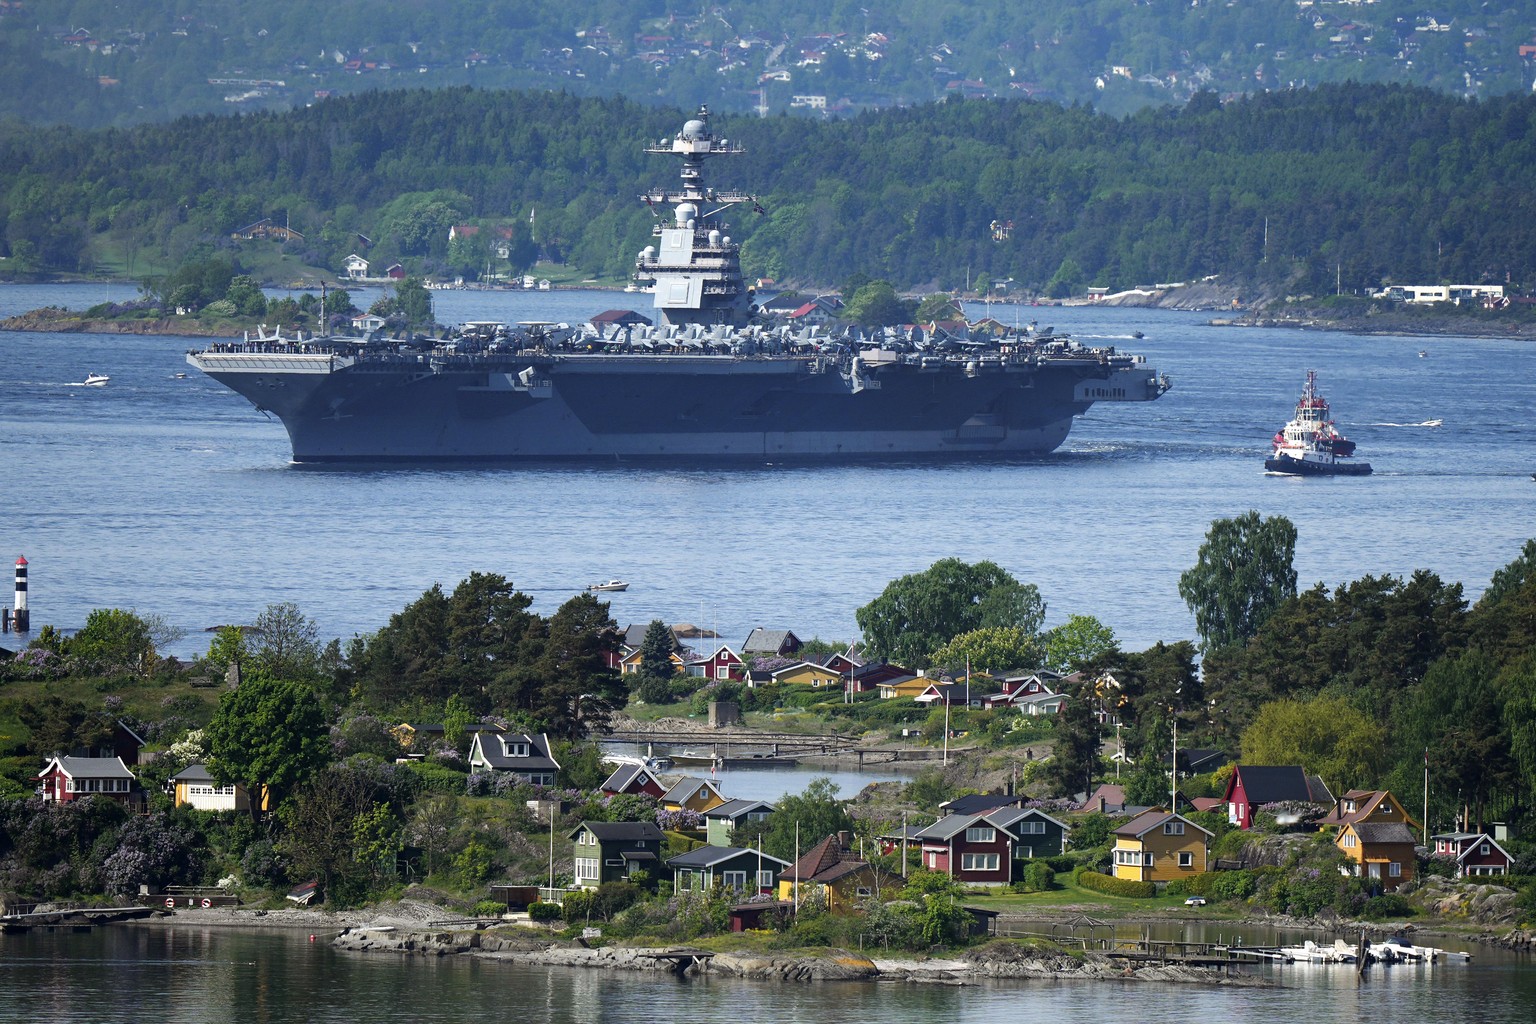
{"points": [[1038, 877], [544, 912], [1111, 886], [1388, 904], [489, 908]]}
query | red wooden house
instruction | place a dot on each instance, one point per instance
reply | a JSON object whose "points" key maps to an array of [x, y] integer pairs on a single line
{"points": [[635, 779], [1476, 853], [723, 664], [66, 778], [988, 848], [1253, 786]]}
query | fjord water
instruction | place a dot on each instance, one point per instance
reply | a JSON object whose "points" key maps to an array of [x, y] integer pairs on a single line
{"points": [[186, 974], [172, 495]]}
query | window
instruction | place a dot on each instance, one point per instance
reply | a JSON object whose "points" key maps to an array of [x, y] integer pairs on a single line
{"points": [[1031, 828], [981, 835], [1349, 841], [1146, 860], [933, 861], [1484, 850], [614, 862], [517, 749], [685, 881], [1395, 869], [864, 890], [1173, 828], [586, 869], [765, 878], [1186, 860], [69, 785], [722, 671], [734, 879], [978, 862]]}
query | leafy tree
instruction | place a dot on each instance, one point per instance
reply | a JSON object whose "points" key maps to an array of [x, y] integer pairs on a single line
{"points": [[1454, 715], [1519, 713], [1149, 785], [1511, 579], [285, 643], [877, 305], [228, 647], [1244, 572], [268, 734], [114, 640], [60, 725], [917, 614], [1326, 735], [408, 657], [1079, 641], [579, 692], [1075, 755], [938, 306], [991, 649], [246, 294], [817, 811]]}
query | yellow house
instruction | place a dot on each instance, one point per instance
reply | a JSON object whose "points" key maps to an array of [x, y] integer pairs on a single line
{"points": [[1378, 851], [909, 687], [630, 664], [1160, 846], [195, 787], [829, 872], [688, 794], [808, 673]]}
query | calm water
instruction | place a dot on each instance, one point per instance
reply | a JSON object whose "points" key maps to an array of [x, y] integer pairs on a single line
{"points": [[174, 496], [191, 975]]}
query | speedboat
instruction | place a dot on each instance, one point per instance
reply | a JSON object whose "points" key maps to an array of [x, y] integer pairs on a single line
{"points": [[612, 586], [96, 380]]}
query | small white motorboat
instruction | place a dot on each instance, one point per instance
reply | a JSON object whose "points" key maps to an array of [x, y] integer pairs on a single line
{"points": [[96, 380], [612, 586]]}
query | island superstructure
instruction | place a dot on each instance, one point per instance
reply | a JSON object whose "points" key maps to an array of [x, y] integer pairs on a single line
{"points": [[709, 380]]}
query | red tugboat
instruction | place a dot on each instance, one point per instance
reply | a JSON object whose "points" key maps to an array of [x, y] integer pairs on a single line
{"points": [[1310, 444]]}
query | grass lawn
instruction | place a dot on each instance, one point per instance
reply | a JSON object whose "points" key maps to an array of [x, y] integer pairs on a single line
{"points": [[1073, 897]]}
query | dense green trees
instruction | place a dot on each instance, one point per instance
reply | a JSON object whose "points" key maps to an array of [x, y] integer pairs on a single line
{"points": [[1345, 176], [269, 735], [482, 645], [918, 614], [1243, 574]]}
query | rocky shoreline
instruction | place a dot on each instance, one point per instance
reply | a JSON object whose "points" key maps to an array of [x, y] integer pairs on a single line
{"points": [[997, 960], [63, 321]]}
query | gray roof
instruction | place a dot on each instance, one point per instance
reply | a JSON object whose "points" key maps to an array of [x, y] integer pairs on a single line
{"points": [[491, 748], [1383, 832], [709, 856], [1007, 817], [92, 767], [766, 640], [625, 774], [685, 787], [620, 831], [734, 809], [1272, 784], [193, 773]]}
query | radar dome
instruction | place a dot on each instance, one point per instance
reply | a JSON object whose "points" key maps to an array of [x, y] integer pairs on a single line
{"points": [[685, 213], [695, 129]]}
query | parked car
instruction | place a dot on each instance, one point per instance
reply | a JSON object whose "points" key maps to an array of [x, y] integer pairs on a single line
{"points": [[1195, 901]]}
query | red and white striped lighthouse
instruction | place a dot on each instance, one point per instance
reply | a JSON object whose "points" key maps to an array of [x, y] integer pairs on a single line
{"points": [[21, 615]]}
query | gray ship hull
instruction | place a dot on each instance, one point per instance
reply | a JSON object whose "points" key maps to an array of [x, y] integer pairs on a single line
{"points": [[684, 407]]}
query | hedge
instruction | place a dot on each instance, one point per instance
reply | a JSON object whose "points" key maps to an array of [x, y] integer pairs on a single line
{"points": [[544, 911], [1111, 886]]}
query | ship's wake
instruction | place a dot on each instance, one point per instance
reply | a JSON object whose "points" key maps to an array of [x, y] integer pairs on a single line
{"points": [[1424, 423]]}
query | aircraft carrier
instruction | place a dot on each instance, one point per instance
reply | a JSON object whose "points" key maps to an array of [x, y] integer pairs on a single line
{"points": [[709, 378]]}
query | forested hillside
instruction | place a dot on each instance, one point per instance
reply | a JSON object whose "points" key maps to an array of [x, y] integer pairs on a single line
{"points": [[1349, 183], [96, 62]]}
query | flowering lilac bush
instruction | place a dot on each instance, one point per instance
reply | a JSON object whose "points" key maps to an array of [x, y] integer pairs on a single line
{"points": [[154, 850], [679, 821]]}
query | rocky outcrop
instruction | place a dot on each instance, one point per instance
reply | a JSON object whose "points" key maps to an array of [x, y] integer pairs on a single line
{"points": [[62, 321], [836, 965], [1460, 900]]}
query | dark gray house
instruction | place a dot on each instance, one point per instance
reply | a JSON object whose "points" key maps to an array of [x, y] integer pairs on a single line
{"points": [[748, 872]]}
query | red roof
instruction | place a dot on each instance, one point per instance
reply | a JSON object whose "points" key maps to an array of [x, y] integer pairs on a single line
{"points": [[21, 560]]}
